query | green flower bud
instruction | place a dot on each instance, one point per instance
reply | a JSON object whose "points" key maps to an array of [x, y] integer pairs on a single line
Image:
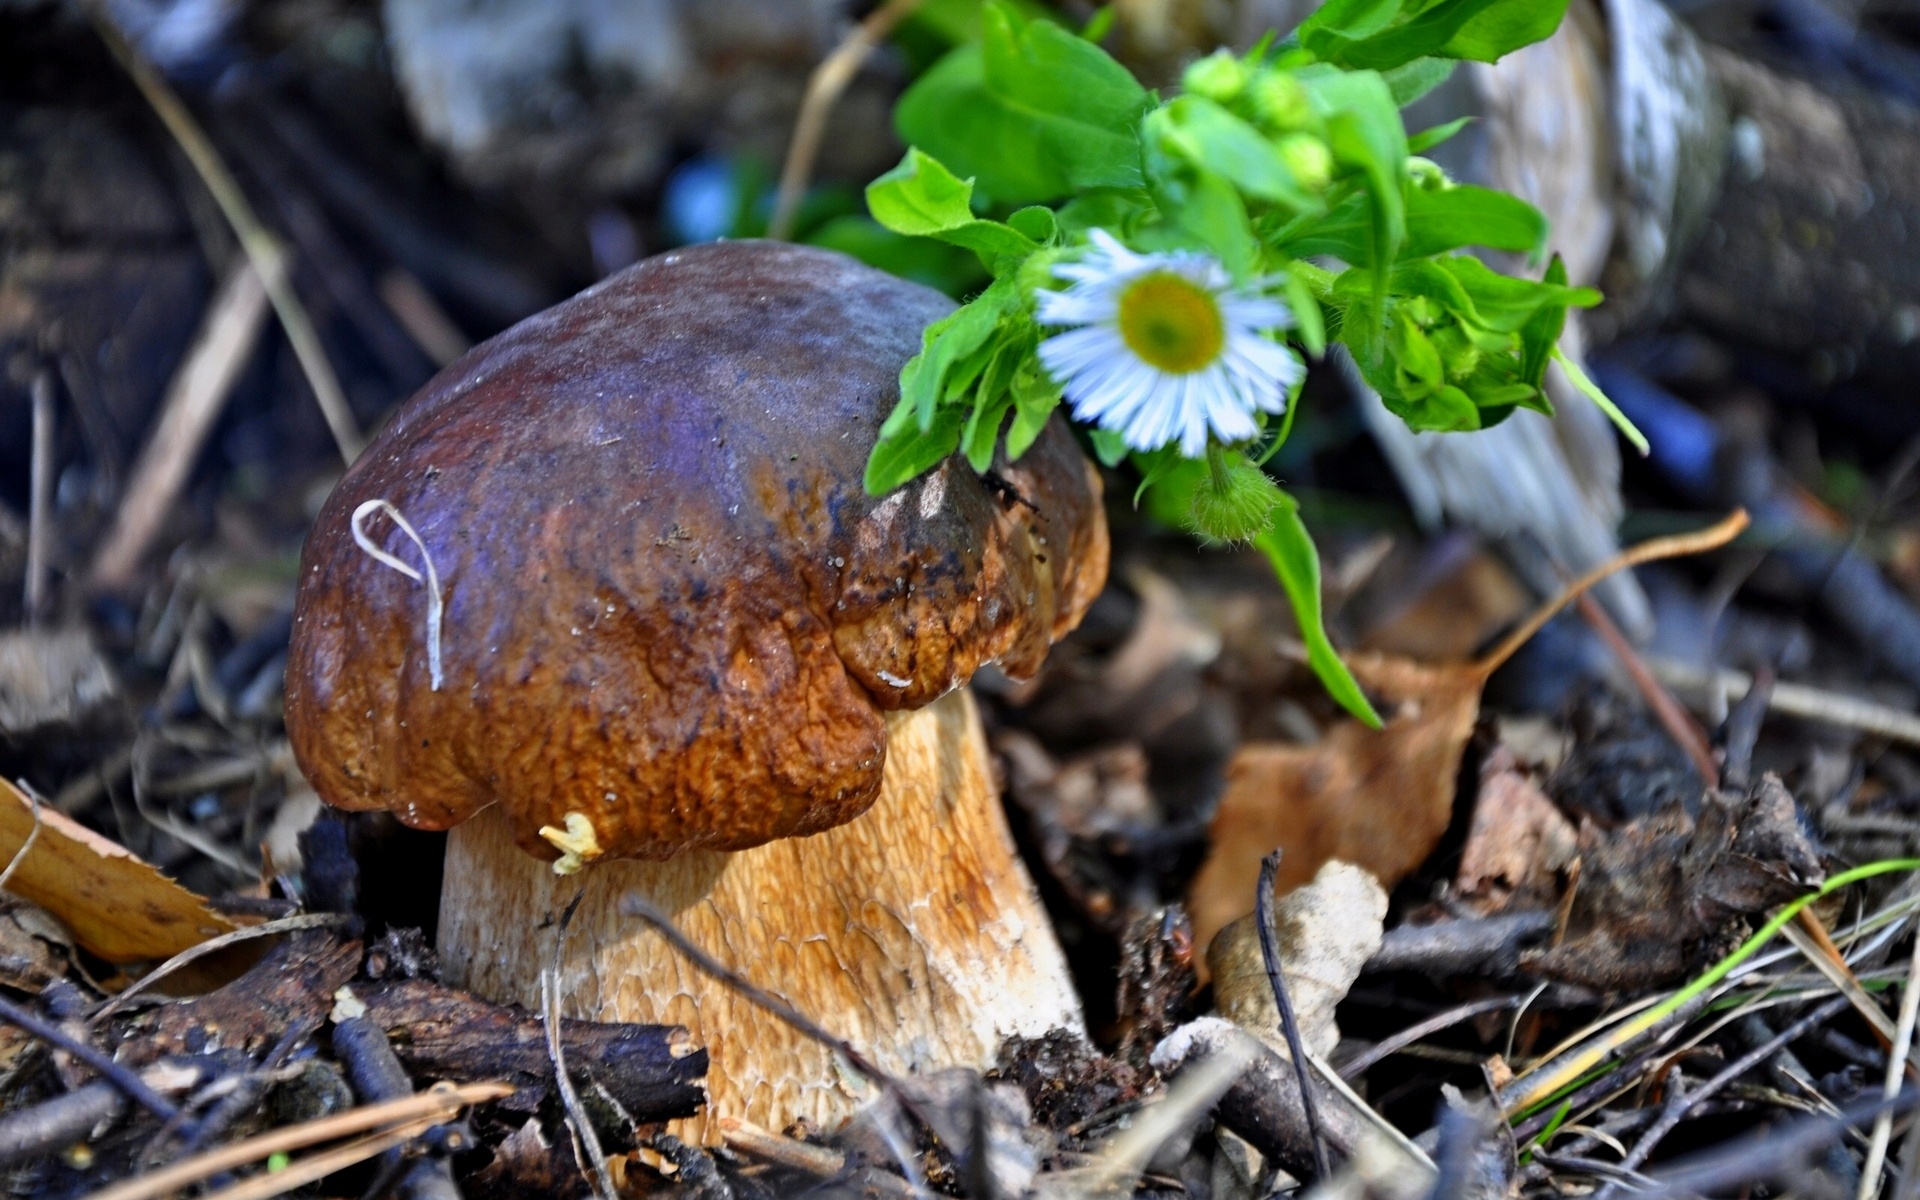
{"points": [[1234, 500], [1427, 175], [1308, 158], [1219, 76], [1458, 354], [1281, 102]]}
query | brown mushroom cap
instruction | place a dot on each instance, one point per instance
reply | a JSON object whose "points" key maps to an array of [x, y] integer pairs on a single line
{"points": [[670, 606]]}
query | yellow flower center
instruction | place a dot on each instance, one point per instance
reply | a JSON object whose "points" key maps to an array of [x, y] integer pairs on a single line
{"points": [[1172, 323]]}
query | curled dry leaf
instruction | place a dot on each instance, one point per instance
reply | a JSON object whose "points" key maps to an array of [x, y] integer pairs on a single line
{"points": [[1659, 894], [1325, 932], [117, 906], [1377, 798]]}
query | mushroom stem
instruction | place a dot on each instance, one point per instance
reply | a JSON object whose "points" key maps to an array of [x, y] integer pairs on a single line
{"points": [[913, 932]]}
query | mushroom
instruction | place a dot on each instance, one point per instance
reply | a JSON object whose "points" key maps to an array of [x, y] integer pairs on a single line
{"points": [[608, 600]]}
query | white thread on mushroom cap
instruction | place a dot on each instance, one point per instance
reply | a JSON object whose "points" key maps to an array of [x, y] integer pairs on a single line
{"points": [[431, 580]]}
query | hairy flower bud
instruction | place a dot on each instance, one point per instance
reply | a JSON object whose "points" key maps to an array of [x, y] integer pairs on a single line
{"points": [[1281, 102], [1220, 76], [1234, 499], [1308, 158]]}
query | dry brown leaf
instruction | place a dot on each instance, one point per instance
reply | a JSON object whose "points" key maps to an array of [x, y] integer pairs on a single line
{"points": [[1377, 798], [1517, 844], [117, 906]]}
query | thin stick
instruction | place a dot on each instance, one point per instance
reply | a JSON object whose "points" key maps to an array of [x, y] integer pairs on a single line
{"points": [[586, 1141], [1796, 700], [33, 835], [1677, 1113], [1270, 953], [319, 1166], [437, 1104], [1842, 978], [1679, 545], [639, 907], [818, 1161], [195, 396], [1896, 1074], [824, 86], [269, 929], [261, 247], [122, 1078], [421, 316], [1413, 1033], [40, 495], [1677, 721]]}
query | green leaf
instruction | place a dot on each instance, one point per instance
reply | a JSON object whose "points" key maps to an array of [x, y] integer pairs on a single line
{"points": [[1435, 222], [1481, 296], [1540, 331], [1035, 396], [1032, 113], [949, 345], [1465, 215], [1410, 81], [905, 455], [1427, 139], [1365, 134], [982, 432], [1208, 137], [1210, 211], [1383, 34], [921, 198], [1108, 446], [1503, 28], [1289, 547], [1578, 379]]}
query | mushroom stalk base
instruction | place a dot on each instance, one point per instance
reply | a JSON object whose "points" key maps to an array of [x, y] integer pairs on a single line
{"points": [[913, 932]]}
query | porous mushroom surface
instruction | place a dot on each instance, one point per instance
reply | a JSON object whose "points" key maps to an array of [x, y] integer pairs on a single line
{"points": [[674, 624]]}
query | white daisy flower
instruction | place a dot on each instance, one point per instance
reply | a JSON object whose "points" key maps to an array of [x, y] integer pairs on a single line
{"points": [[1167, 348]]}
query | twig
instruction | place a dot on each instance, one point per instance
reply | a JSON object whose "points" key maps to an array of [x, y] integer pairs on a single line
{"points": [[60, 1122], [1270, 953], [1388, 1047], [818, 1161], [1896, 1073], [1677, 546], [1767, 1152], [1193, 1093], [1677, 1113], [33, 835], [319, 1166], [121, 1077], [824, 86], [211, 945], [39, 495], [639, 907], [1841, 977], [261, 247], [195, 396], [1796, 700], [425, 1109], [376, 1075], [586, 1142], [421, 316], [1677, 721]]}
